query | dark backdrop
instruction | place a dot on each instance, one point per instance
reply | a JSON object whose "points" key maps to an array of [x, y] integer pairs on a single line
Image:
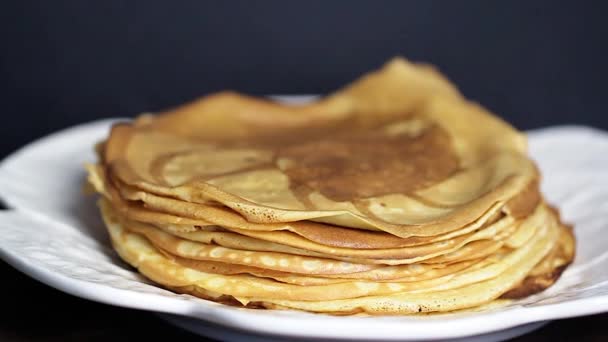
{"points": [[536, 63]]}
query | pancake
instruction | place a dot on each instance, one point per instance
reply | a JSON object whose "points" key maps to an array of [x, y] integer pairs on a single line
{"points": [[548, 271], [206, 251], [215, 217], [304, 247], [450, 300], [341, 296], [401, 273], [331, 161], [391, 195]]}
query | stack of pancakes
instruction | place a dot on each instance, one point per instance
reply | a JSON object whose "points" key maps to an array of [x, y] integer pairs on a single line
{"points": [[393, 195]]}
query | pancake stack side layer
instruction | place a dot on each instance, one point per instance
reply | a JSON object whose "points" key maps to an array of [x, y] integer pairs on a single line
{"points": [[392, 195]]}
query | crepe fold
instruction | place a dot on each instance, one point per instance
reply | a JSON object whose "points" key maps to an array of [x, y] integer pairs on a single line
{"points": [[392, 195]]}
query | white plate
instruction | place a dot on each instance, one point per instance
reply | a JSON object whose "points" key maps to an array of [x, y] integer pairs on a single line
{"points": [[54, 235]]}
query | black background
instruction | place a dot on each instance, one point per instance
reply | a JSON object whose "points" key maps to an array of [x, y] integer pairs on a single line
{"points": [[536, 63]]}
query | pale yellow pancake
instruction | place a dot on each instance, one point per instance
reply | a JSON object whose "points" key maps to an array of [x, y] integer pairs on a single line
{"points": [[474, 286]]}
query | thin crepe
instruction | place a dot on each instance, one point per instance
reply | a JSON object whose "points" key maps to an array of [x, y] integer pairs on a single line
{"points": [[332, 161]]}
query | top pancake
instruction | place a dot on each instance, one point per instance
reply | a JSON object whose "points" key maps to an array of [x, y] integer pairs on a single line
{"points": [[399, 150]]}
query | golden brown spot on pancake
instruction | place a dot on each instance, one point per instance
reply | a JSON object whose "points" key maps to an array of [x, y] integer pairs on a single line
{"points": [[524, 203], [362, 165], [302, 193], [534, 284]]}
